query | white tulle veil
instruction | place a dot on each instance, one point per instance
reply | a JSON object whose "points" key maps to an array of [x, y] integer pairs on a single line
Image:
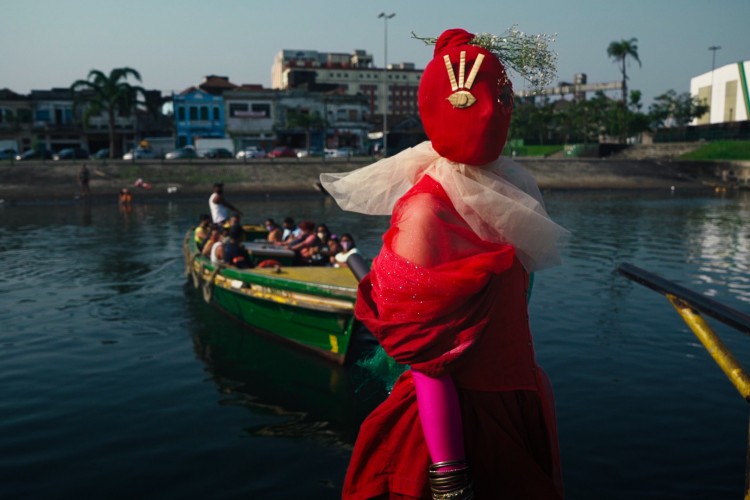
{"points": [[500, 201]]}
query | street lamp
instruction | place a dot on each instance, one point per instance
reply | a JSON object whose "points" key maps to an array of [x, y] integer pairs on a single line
{"points": [[385, 18], [712, 48]]}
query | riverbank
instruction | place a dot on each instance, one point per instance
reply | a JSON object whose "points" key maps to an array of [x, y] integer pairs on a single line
{"points": [[45, 181]]}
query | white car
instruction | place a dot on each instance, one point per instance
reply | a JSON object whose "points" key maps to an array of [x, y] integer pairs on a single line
{"points": [[251, 152], [339, 153], [139, 154]]}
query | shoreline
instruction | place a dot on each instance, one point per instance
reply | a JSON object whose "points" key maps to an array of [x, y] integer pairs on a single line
{"points": [[30, 182]]}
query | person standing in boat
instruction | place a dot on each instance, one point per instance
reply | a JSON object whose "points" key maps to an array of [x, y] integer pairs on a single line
{"points": [[474, 415], [219, 205]]}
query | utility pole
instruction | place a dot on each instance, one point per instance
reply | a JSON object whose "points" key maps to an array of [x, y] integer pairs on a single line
{"points": [[385, 18]]}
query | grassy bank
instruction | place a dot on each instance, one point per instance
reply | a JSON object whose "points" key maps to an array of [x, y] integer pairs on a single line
{"points": [[720, 150]]}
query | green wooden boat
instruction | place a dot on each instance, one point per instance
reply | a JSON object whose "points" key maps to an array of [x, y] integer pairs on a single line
{"points": [[309, 306]]}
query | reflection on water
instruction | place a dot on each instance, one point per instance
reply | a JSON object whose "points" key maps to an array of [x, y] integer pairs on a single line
{"points": [[119, 382]]}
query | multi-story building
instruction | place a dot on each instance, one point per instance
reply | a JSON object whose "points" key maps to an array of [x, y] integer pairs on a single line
{"points": [[15, 120], [354, 74], [295, 118], [197, 114]]}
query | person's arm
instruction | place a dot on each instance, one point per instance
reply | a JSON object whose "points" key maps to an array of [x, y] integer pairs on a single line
{"points": [[304, 243], [223, 201]]}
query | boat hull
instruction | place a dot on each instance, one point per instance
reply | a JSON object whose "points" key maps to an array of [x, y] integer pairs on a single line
{"points": [[311, 307]]}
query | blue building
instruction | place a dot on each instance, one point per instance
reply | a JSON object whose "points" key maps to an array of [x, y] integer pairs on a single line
{"points": [[197, 114]]}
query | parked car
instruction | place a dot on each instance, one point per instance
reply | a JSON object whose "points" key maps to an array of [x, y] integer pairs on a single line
{"points": [[218, 153], [101, 154], [35, 154], [71, 154], [139, 154], [182, 154], [339, 153], [282, 152], [310, 153], [7, 154], [251, 152]]}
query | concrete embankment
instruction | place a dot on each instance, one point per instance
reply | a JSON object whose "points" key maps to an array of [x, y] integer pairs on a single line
{"points": [[49, 180]]}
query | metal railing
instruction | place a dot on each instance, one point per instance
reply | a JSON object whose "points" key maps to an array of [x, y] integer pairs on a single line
{"points": [[690, 305]]}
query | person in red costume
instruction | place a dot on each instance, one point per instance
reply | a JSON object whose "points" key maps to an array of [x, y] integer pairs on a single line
{"points": [[446, 295]]}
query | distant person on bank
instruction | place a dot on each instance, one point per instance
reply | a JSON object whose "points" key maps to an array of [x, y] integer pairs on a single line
{"points": [[83, 180]]}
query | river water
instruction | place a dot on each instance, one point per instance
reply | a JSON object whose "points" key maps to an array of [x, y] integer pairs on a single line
{"points": [[117, 381]]}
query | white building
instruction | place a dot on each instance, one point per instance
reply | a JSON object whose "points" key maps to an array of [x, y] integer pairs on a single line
{"points": [[725, 90], [353, 73]]}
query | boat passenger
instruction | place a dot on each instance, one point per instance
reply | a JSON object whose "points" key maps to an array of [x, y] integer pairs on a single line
{"points": [[275, 232], [334, 247], [203, 231], [235, 253], [291, 231], [306, 244], [348, 248], [323, 233], [214, 237], [219, 205]]}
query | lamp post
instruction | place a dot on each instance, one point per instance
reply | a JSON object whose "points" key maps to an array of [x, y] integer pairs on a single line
{"points": [[385, 18], [712, 48]]}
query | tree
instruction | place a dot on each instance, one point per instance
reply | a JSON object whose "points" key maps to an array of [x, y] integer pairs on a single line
{"points": [[109, 94], [305, 120], [673, 109], [620, 51]]}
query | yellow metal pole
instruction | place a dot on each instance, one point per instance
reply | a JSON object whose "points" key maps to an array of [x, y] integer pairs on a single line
{"points": [[715, 347]]}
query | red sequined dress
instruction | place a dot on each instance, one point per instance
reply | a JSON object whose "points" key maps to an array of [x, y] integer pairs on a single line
{"points": [[444, 301]]}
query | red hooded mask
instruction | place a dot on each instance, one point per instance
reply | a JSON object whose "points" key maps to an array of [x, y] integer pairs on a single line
{"points": [[466, 109]]}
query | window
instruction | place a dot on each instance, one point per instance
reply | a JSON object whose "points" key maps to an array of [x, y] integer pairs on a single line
{"points": [[193, 113], [237, 109], [217, 114], [262, 110], [204, 113], [181, 114]]}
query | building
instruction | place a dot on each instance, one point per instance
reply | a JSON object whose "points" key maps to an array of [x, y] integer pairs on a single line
{"points": [[197, 114], [250, 111], [16, 114], [352, 74], [296, 118], [725, 90]]}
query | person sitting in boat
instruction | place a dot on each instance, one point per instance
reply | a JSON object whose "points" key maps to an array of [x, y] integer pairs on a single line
{"points": [[306, 244], [291, 231], [235, 253], [234, 220], [275, 232], [214, 238], [203, 231], [219, 205], [334, 247], [324, 234], [348, 247]]}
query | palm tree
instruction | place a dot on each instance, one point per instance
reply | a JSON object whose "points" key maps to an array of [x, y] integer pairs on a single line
{"points": [[620, 51], [109, 94]]}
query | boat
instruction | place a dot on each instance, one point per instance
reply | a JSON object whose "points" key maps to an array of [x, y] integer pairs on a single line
{"points": [[308, 306]]}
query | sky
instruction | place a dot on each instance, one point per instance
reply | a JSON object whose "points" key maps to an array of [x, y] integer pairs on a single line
{"points": [[173, 44]]}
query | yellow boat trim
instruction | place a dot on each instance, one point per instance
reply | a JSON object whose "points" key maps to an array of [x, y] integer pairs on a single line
{"points": [[715, 347]]}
